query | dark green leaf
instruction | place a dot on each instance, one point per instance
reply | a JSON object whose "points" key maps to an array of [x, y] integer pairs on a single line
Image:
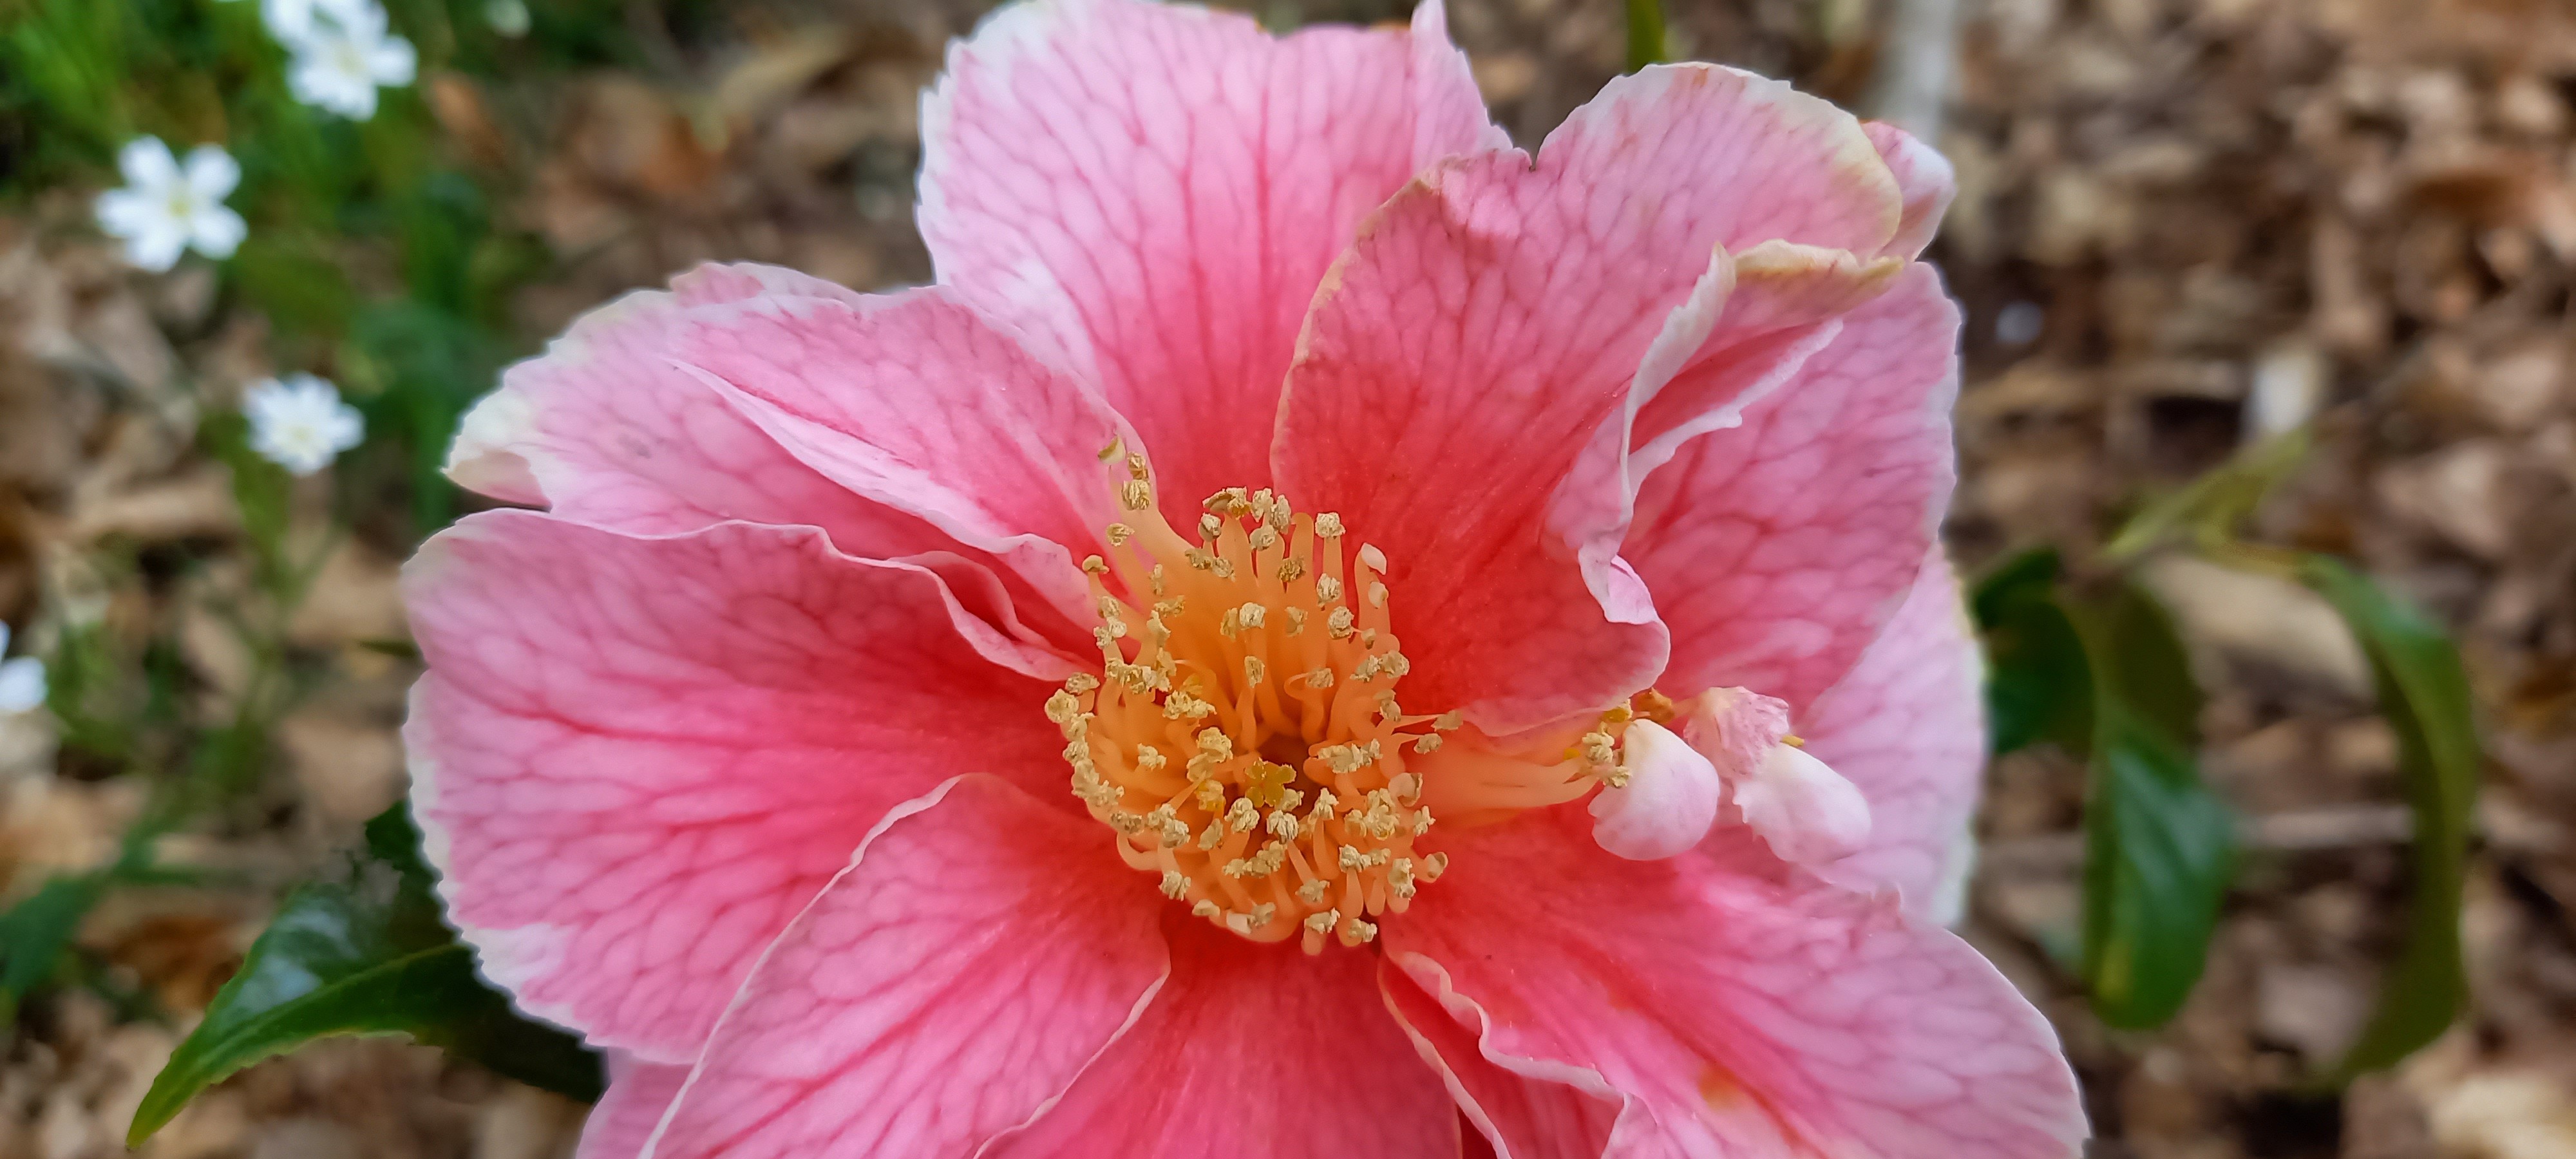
{"points": [[2037, 685], [2159, 848], [2425, 696], [363, 953], [34, 933]]}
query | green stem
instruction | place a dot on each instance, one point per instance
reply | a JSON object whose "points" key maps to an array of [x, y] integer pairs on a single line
{"points": [[1645, 33]]}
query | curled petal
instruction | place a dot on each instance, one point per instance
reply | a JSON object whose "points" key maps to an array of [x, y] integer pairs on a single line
{"points": [[1805, 809], [1669, 802]]}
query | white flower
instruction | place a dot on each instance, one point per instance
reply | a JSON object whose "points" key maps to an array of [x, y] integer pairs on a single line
{"points": [[291, 20], [22, 681], [300, 424], [343, 55], [164, 209]]}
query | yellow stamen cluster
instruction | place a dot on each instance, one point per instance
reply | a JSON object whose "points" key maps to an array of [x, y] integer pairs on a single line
{"points": [[1244, 739]]}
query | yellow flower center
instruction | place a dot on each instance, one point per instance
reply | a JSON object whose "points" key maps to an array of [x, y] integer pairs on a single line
{"points": [[1244, 739]]}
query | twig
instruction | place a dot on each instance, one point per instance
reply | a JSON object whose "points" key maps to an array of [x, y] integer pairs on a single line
{"points": [[1915, 60]]}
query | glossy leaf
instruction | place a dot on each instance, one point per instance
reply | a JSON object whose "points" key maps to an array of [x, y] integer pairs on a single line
{"points": [[363, 952], [2159, 847], [2037, 684], [2425, 696]]}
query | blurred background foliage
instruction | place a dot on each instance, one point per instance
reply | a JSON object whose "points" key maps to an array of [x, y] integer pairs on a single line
{"points": [[2148, 411]]}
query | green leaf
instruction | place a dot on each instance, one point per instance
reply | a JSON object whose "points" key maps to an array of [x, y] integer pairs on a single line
{"points": [[363, 953], [34, 933], [2159, 847], [2037, 684], [2425, 696], [2159, 851]]}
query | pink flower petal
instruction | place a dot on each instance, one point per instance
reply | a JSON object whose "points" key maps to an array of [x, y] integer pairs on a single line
{"points": [[636, 759], [1251, 1050], [638, 1093], [1907, 727], [1495, 319], [981, 948], [1925, 181], [915, 401], [1777, 549], [1526, 1109], [604, 429], [1151, 192], [1741, 1006]]}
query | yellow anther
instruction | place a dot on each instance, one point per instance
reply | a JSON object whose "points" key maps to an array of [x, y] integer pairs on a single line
{"points": [[1291, 569], [1434, 865], [1149, 759], [1448, 721], [1296, 621], [1428, 742], [1119, 534], [1312, 893], [1356, 932], [1209, 526], [1135, 495], [1328, 525], [1327, 589], [1338, 624], [1252, 614], [1253, 670], [1212, 836], [1136, 469], [1095, 565], [1793, 740], [1206, 909], [1264, 914], [1242, 817], [1174, 884], [1377, 599], [1283, 825]]}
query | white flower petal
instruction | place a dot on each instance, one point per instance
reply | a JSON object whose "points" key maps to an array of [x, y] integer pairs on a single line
{"points": [[156, 247], [212, 173], [217, 231], [147, 164], [392, 63], [22, 684]]}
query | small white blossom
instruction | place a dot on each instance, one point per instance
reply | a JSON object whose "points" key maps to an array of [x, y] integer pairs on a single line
{"points": [[344, 55], [165, 208], [300, 424], [291, 20], [22, 681]]}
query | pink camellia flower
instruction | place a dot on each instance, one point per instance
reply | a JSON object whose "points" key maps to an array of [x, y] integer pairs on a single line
{"points": [[1484, 607]]}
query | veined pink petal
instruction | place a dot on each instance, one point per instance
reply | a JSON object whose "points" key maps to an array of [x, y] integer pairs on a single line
{"points": [[1907, 727], [1152, 192], [635, 759], [917, 402], [1741, 1006], [1925, 181], [603, 428], [979, 950], [638, 1093], [1777, 549], [1525, 1109], [1496, 319], [1251, 1050]]}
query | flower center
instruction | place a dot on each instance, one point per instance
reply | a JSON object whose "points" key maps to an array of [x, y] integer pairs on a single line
{"points": [[1244, 739]]}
